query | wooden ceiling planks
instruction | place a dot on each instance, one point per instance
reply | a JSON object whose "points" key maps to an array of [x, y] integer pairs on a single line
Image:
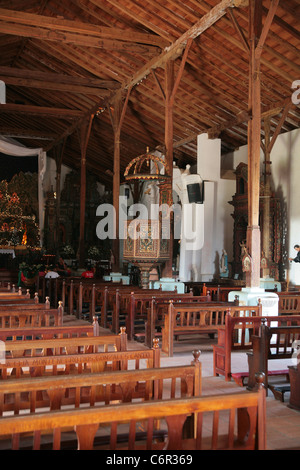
{"points": [[120, 41]]}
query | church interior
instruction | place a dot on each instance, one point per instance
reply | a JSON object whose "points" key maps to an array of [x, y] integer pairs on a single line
{"points": [[149, 225]]}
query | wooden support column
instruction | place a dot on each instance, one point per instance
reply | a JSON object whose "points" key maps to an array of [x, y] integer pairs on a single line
{"points": [[84, 138], [257, 37], [171, 86], [169, 103], [117, 118]]}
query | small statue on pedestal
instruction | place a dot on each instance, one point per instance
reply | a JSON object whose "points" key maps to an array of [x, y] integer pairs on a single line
{"points": [[224, 271]]}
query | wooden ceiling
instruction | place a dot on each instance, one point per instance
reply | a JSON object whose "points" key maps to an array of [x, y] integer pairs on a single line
{"points": [[63, 61]]}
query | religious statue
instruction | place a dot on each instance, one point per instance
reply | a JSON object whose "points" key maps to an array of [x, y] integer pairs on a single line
{"points": [[263, 261], [243, 248], [245, 257], [224, 271]]}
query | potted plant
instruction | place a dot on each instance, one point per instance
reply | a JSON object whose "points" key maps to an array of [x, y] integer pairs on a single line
{"points": [[93, 253], [67, 252], [28, 273]]}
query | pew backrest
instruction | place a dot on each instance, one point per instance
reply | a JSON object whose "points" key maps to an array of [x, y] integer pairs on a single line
{"points": [[185, 318], [246, 432], [289, 304], [79, 363], [44, 332], [71, 345], [236, 335], [13, 318], [98, 388]]}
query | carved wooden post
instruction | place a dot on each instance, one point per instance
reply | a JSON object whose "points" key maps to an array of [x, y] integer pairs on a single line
{"points": [[96, 327], [257, 36], [171, 86], [117, 118], [123, 338]]}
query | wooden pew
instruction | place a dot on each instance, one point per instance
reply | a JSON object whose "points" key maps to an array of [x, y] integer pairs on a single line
{"points": [[218, 293], [111, 302], [247, 432], [187, 319], [12, 318], [289, 303], [37, 366], [236, 335], [49, 332], [15, 300], [76, 292], [122, 308], [100, 388], [294, 378], [21, 301], [116, 305], [159, 306], [137, 304], [13, 293], [70, 345], [267, 347], [65, 289]]}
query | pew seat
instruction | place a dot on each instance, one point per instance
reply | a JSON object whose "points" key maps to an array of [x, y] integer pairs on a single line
{"points": [[240, 377]]}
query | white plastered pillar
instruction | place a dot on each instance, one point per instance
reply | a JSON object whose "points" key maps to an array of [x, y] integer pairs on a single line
{"points": [[209, 168]]}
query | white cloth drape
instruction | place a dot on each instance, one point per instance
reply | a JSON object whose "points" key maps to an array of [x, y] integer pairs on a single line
{"points": [[13, 149]]}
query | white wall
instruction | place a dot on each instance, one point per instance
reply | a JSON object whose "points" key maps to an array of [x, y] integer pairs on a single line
{"points": [[217, 193], [50, 175], [285, 169], [285, 157]]}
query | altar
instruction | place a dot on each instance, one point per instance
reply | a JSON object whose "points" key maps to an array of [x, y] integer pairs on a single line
{"points": [[7, 251]]}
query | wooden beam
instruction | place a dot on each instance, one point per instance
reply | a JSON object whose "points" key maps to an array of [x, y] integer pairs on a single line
{"points": [[59, 113], [62, 30], [279, 125], [75, 39], [239, 30], [266, 27], [169, 53], [16, 133], [177, 47], [56, 81]]}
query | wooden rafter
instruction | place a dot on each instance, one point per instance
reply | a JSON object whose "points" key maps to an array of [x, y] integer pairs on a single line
{"points": [[49, 28], [55, 81]]}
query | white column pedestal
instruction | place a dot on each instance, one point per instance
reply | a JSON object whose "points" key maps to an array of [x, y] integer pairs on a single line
{"points": [[251, 295], [169, 284], [270, 283]]}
